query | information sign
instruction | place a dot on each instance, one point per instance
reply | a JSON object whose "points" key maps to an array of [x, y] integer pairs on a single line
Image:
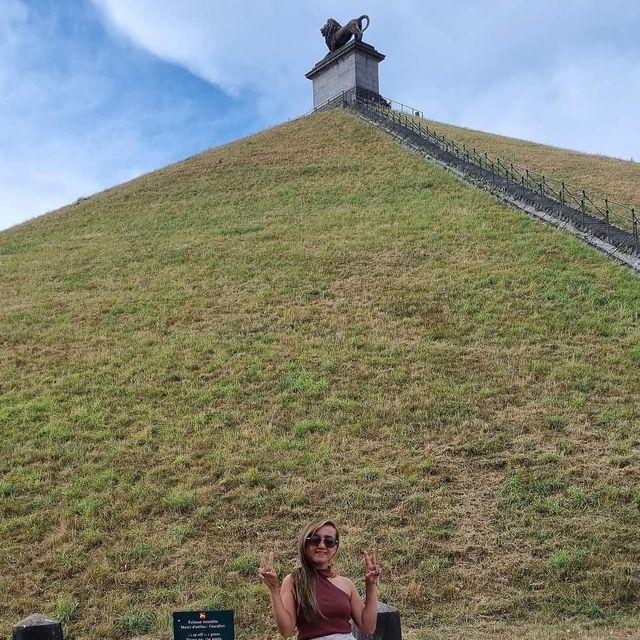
{"points": [[203, 625]]}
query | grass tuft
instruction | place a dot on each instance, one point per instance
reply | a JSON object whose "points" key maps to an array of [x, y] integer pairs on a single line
{"points": [[66, 609], [135, 622], [180, 501]]}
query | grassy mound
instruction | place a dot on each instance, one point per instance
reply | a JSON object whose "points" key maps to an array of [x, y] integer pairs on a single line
{"points": [[196, 362]]}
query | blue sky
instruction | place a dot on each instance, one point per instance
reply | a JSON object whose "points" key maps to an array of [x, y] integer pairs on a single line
{"points": [[95, 92]]}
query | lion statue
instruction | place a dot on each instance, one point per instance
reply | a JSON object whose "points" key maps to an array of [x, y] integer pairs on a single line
{"points": [[336, 35]]}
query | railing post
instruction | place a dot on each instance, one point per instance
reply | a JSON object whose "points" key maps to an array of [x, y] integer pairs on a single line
{"points": [[634, 221], [528, 182], [388, 625], [542, 187], [37, 627], [562, 194], [606, 213], [582, 205]]}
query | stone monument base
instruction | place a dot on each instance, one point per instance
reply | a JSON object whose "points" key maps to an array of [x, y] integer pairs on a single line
{"points": [[346, 74]]}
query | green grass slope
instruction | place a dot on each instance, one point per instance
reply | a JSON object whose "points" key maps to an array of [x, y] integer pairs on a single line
{"points": [[314, 321]]}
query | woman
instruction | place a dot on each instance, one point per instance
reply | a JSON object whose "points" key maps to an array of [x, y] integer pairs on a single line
{"points": [[314, 599]]}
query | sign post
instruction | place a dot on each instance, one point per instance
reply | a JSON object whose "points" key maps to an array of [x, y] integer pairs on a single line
{"points": [[203, 625]]}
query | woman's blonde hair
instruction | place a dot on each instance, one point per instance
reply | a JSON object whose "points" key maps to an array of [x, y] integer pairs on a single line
{"points": [[304, 575]]}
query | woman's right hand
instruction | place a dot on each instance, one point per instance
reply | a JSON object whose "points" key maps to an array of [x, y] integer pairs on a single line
{"points": [[266, 572]]}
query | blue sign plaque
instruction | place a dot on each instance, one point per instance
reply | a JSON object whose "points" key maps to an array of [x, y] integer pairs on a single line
{"points": [[203, 625]]}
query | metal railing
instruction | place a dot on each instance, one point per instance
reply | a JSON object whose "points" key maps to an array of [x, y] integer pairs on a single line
{"points": [[615, 216]]}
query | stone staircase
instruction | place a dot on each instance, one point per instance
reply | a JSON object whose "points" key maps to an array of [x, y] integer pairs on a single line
{"points": [[617, 242]]}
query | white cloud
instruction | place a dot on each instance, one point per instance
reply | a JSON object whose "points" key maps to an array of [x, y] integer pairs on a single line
{"points": [[557, 73], [58, 140], [565, 73], [585, 105], [235, 45], [40, 167]]}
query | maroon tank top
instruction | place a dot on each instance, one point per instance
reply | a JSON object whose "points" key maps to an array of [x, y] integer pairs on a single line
{"points": [[333, 603]]}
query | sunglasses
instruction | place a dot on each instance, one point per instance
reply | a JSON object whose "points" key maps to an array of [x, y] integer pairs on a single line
{"points": [[314, 540]]}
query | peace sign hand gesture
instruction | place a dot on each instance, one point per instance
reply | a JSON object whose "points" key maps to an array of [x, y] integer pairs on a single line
{"points": [[266, 572], [372, 568]]}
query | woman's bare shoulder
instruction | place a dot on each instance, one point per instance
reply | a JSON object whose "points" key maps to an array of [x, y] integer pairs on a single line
{"points": [[344, 583], [287, 585]]}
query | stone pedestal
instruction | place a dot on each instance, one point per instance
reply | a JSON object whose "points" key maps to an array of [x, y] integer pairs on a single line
{"points": [[388, 626], [37, 627], [349, 72]]}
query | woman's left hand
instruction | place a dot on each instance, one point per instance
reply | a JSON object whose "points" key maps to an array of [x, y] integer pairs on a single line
{"points": [[372, 568]]}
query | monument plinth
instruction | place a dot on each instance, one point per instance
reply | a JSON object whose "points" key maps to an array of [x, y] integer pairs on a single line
{"points": [[347, 73]]}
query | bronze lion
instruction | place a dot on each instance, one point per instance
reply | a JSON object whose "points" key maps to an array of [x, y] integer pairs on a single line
{"points": [[335, 35]]}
